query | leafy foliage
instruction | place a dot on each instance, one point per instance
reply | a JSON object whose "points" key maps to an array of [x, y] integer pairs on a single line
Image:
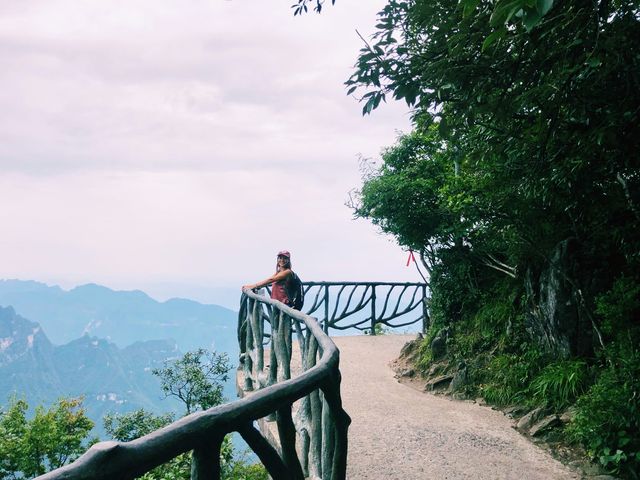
{"points": [[125, 427], [607, 421], [520, 189], [559, 384], [196, 378], [509, 375], [49, 440], [129, 426], [302, 6]]}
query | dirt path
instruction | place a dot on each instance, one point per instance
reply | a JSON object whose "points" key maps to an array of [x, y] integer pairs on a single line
{"points": [[398, 433]]}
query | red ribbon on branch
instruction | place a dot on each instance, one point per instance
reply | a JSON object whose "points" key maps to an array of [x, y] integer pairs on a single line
{"points": [[411, 258]]}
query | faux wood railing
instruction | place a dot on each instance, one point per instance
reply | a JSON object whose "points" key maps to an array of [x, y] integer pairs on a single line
{"points": [[310, 435], [315, 391]]}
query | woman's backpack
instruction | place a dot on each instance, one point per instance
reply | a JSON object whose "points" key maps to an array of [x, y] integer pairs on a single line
{"points": [[296, 292]]}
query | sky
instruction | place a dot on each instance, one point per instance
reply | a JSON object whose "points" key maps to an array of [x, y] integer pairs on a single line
{"points": [[176, 146]]}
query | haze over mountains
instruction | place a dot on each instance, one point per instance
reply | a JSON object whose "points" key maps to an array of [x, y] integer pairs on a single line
{"points": [[123, 317], [100, 343]]}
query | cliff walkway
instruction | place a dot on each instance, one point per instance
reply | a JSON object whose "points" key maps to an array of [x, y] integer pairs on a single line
{"points": [[325, 407], [400, 433]]}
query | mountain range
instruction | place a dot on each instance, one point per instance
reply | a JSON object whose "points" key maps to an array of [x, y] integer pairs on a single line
{"points": [[122, 317], [103, 345]]}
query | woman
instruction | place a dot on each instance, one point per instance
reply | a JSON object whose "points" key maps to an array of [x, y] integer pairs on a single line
{"points": [[280, 279]]}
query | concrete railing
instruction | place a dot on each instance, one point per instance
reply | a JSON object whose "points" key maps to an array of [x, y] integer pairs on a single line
{"points": [[310, 434], [311, 399]]}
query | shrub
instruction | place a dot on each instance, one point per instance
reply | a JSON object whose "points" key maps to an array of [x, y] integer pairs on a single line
{"points": [[559, 384], [619, 307], [607, 420], [508, 377]]}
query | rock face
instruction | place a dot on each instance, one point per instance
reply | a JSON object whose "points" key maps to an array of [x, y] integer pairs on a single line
{"points": [[526, 422], [460, 379], [439, 383], [544, 425], [555, 318], [439, 344]]}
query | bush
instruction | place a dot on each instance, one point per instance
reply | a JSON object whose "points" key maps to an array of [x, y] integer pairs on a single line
{"points": [[559, 384], [619, 308], [508, 377], [607, 420]]}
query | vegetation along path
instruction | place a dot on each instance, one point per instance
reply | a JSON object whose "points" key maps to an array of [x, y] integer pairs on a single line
{"points": [[400, 433]]}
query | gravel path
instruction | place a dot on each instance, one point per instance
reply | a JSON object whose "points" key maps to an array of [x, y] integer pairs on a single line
{"points": [[399, 433]]}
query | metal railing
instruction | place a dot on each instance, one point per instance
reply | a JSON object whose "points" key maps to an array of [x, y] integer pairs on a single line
{"points": [[393, 305], [315, 391]]}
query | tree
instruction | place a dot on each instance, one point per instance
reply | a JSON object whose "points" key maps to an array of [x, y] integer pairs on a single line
{"points": [[13, 425], [196, 378], [51, 439], [539, 114], [131, 425], [520, 185], [125, 427]]}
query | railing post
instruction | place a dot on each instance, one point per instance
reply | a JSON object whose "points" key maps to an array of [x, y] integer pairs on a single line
{"points": [[248, 349], [325, 325], [287, 434], [373, 309], [425, 311], [205, 463]]}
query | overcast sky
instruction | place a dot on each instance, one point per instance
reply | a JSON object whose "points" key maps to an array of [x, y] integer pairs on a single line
{"points": [[176, 146]]}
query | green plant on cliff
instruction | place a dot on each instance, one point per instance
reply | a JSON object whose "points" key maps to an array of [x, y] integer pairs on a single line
{"points": [[519, 186], [607, 420], [559, 384]]}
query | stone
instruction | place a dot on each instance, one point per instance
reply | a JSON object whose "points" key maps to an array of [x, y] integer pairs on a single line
{"points": [[438, 347], [568, 415], [525, 423], [459, 380], [438, 383], [406, 372], [589, 469], [411, 346], [543, 425], [515, 411]]}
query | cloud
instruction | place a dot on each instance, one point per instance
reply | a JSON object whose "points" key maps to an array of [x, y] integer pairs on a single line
{"points": [[150, 141], [142, 85]]}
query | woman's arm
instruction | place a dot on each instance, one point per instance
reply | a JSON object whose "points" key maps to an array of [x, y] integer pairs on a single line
{"points": [[277, 277]]}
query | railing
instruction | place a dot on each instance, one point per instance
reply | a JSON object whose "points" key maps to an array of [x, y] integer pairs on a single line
{"points": [[322, 422], [294, 394], [394, 305], [313, 442]]}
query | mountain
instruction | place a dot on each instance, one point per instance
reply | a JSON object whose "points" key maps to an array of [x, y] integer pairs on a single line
{"points": [[122, 317], [109, 378], [26, 358]]}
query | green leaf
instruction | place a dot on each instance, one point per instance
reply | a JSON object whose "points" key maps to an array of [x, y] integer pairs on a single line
{"points": [[543, 6], [594, 62], [444, 128], [504, 10], [531, 18], [468, 7], [493, 37]]}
